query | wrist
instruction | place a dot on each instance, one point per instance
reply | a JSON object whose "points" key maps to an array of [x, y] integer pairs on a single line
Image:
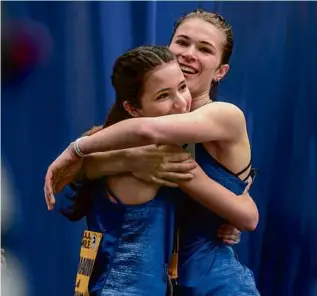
{"points": [[76, 149], [72, 151]]}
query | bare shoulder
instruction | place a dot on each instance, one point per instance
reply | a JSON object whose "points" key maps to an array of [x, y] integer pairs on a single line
{"points": [[226, 112], [225, 108], [227, 116]]}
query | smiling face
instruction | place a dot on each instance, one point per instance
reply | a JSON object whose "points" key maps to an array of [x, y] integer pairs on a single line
{"points": [[164, 92], [199, 47]]}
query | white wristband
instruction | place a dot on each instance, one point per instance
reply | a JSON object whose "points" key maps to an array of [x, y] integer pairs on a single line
{"points": [[77, 148]]}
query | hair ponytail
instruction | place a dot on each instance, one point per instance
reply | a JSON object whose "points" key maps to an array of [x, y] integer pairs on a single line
{"points": [[116, 114], [84, 190]]}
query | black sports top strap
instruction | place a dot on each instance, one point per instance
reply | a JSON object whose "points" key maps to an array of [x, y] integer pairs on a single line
{"points": [[245, 169]]}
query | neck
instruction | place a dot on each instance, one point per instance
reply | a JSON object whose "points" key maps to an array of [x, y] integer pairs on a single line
{"points": [[200, 100]]}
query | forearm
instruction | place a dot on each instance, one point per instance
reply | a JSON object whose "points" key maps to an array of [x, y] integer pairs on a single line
{"points": [[101, 164], [125, 134], [240, 211], [220, 122]]}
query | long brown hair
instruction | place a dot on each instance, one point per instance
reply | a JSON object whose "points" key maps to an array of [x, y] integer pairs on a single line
{"points": [[127, 78]]}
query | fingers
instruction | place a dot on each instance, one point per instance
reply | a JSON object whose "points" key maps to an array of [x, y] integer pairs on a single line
{"points": [[177, 157], [173, 177], [50, 201], [179, 167], [229, 234], [229, 237], [249, 182], [163, 182], [229, 242], [235, 238], [48, 190], [228, 229]]}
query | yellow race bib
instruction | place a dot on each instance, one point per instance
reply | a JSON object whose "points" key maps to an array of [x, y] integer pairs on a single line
{"points": [[88, 253], [173, 264]]}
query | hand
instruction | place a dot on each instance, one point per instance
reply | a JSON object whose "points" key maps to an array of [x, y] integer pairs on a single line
{"points": [[61, 172], [249, 183], [164, 165], [229, 234]]}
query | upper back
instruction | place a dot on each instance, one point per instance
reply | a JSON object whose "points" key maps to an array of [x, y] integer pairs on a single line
{"points": [[131, 190], [136, 244]]}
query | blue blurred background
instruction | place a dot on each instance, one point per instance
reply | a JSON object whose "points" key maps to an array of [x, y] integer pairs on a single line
{"points": [[60, 86]]}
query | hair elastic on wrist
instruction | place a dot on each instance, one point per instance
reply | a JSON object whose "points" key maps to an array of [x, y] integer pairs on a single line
{"points": [[77, 148]]}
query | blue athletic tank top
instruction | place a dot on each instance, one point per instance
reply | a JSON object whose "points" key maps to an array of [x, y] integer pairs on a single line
{"points": [[206, 265], [136, 245]]}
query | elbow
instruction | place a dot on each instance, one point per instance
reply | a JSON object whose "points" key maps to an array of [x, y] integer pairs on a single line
{"points": [[250, 222]]}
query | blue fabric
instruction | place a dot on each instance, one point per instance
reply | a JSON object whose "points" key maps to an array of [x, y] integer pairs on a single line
{"points": [[136, 244], [206, 266], [272, 78], [227, 276]]}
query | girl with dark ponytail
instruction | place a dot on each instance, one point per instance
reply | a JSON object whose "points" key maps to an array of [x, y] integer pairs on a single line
{"points": [[135, 218], [202, 43]]}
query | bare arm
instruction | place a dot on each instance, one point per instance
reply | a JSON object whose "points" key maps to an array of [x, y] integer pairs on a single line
{"points": [[163, 165], [239, 211], [106, 163], [216, 121]]}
